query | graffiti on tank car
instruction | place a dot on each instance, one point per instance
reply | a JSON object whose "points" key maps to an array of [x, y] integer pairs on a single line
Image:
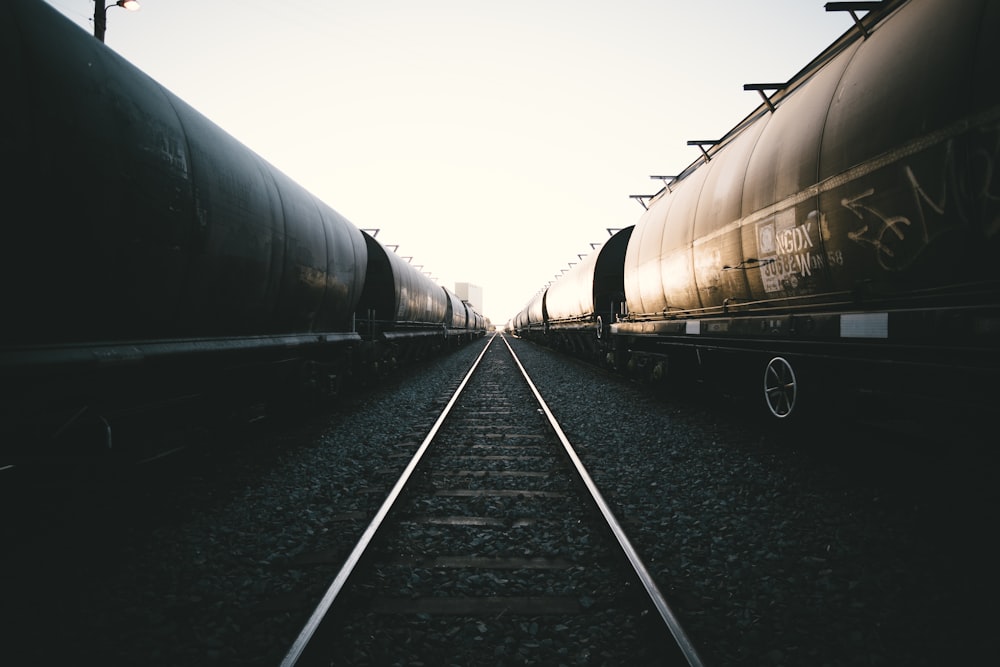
{"points": [[969, 183], [921, 194], [790, 252], [965, 196], [885, 233]]}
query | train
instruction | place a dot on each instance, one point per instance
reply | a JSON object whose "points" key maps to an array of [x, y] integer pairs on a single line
{"points": [[837, 250], [148, 256]]}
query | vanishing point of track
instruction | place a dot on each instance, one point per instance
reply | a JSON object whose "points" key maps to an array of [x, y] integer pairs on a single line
{"points": [[496, 526]]}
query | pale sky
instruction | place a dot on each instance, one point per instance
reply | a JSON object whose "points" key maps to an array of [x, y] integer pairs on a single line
{"points": [[492, 141]]}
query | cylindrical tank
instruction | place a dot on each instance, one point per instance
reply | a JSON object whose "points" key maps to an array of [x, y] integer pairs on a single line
{"points": [[396, 295], [133, 217], [571, 297], [594, 287], [457, 315], [532, 315], [873, 181]]}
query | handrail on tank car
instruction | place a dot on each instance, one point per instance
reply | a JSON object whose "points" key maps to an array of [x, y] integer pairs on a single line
{"points": [[852, 7], [877, 11]]}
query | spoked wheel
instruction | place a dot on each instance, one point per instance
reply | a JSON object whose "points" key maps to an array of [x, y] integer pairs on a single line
{"points": [[780, 388]]}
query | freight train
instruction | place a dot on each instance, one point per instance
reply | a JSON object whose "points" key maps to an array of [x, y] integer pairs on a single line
{"points": [[147, 255], [842, 242]]}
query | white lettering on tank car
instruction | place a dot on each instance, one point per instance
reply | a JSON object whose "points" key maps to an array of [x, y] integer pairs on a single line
{"points": [[788, 250]]}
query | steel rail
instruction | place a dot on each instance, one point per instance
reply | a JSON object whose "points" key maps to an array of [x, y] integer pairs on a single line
{"points": [[683, 642], [302, 641]]}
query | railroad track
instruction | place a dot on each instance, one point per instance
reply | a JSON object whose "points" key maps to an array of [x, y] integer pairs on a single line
{"points": [[494, 546]]}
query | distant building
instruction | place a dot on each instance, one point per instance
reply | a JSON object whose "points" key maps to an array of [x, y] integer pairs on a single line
{"points": [[473, 294]]}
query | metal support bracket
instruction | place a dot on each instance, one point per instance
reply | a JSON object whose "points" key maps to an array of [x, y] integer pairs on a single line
{"points": [[641, 199], [701, 143], [854, 7], [667, 181], [761, 87]]}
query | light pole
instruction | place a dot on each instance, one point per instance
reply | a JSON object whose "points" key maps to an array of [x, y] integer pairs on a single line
{"points": [[101, 14]]}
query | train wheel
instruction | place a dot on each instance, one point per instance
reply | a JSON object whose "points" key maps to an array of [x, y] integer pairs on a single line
{"points": [[780, 388]]}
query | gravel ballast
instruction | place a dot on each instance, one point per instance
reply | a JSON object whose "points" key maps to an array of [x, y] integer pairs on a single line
{"points": [[804, 550], [830, 545]]}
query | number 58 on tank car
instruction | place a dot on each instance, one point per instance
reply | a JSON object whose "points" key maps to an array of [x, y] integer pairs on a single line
{"points": [[842, 240]]}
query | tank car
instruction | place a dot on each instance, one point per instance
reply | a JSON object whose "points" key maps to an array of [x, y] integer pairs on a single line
{"points": [[457, 318], [465, 324], [481, 324], [403, 315], [402, 307], [147, 254], [581, 306], [843, 239], [531, 320]]}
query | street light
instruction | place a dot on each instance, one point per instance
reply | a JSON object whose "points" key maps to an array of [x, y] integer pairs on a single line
{"points": [[101, 14]]}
